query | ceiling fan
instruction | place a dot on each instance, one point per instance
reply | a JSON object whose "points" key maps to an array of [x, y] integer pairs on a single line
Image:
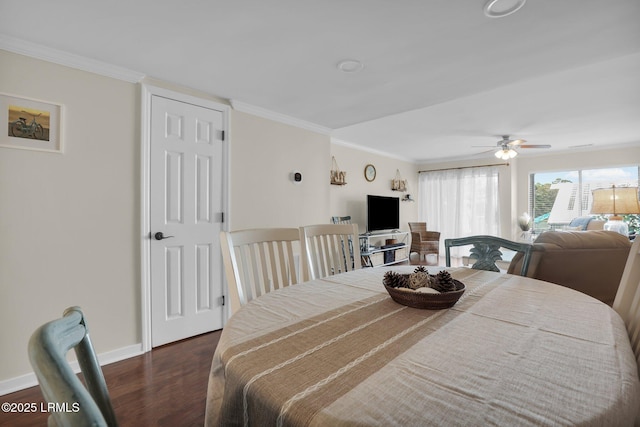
{"points": [[506, 147]]}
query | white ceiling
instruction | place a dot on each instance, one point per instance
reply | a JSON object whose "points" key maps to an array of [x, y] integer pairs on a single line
{"points": [[439, 77]]}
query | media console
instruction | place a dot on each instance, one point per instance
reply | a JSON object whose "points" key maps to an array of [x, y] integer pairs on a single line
{"points": [[376, 251]]}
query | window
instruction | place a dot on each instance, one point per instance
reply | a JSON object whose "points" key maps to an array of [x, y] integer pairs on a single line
{"points": [[460, 202], [555, 198]]}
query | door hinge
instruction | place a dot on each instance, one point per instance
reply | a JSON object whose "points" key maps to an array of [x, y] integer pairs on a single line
{"points": [[223, 135], [223, 300]]}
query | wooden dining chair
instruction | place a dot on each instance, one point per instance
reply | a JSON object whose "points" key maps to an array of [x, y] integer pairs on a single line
{"points": [[424, 242], [79, 405], [325, 249], [486, 251], [627, 302], [258, 261]]}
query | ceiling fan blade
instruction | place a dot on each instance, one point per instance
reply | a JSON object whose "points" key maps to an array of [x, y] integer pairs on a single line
{"points": [[517, 142], [535, 146]]}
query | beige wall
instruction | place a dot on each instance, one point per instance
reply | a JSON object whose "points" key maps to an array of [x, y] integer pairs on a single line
{"points": [[351, 199], [69, 223], [263, 155]]}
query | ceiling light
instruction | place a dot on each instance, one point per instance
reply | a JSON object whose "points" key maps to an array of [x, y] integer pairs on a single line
{"points": [[500, 8], [350, 66], [506, 153]]}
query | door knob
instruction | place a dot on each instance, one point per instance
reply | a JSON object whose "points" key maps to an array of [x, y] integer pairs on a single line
{"points": [[160, 236]]}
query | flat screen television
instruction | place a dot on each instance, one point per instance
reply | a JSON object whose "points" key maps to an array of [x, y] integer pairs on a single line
{"points": [[383, 213]]}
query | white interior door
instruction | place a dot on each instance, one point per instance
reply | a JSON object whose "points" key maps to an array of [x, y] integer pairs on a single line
{"points": [[186, 181]]}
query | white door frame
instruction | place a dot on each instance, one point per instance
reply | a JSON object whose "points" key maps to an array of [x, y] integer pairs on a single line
{"points": [[147, 91]]}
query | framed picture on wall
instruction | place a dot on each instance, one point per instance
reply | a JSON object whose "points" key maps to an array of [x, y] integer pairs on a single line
{"points": [[30, 124]]}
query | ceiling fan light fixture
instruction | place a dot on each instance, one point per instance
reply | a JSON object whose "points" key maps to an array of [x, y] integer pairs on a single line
{"points": [[506, 153], [502, 8]]}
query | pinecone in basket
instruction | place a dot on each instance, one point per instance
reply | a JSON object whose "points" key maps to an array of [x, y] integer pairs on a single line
{"points": [[420, 269], [420, 279], [394, 280], [443, 282]]}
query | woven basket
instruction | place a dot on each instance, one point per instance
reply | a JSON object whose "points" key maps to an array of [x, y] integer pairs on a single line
{"points": [[427, 301]]}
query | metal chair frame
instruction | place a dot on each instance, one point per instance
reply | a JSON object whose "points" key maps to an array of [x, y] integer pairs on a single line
{"points": [[486, 251], [48, 346]]}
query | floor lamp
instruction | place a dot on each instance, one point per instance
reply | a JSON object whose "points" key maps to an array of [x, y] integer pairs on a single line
{"points": [[616, 201]]}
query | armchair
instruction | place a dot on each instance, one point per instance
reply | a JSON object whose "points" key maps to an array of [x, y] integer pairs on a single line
{"points": [[424, 242]]}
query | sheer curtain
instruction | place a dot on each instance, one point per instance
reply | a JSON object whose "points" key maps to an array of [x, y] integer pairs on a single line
{"points": [[460, 202]]}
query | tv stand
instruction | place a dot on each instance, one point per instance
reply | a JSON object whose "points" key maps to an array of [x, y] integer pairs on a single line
{"points": [[382, 233], [375, 251]]}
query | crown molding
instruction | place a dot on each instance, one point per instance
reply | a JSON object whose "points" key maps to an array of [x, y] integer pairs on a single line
{"points": [[60, 57], [278, 117], [344, 143]]}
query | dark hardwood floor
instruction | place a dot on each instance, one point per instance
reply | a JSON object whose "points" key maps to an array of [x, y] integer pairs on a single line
{"points": [[164, 387]]}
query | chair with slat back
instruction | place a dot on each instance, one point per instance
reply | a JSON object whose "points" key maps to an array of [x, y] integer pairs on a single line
{"points": [[486, 251], [341, 219], [325, 249], [424, 242], [258, 261], [627, 302], [74, 404], [344, 220]]}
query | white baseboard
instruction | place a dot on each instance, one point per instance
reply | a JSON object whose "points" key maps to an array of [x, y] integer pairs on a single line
{"points": [[29, 380]]}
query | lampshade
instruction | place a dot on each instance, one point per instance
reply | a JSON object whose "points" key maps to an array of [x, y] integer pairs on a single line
{"points": [[506, 153], [616, 201]]}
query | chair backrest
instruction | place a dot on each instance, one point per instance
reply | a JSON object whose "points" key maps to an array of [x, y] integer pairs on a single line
{"points": [[418, 226], [326, 249], [430, 236], [48, 346], [627, 302], [258, 261], [341, 220], [486, 250]]}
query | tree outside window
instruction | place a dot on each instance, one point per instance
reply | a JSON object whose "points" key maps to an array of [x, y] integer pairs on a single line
{"points": [[556, 198]]}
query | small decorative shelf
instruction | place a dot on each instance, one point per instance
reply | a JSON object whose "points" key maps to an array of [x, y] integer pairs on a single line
{"points": [[338, 177], [397, 183]]}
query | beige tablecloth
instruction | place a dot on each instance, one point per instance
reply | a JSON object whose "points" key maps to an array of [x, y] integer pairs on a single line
{"points": [[339, 352]]}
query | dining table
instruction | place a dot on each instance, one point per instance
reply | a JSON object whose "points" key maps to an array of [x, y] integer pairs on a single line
{"points": [[338, 351]]}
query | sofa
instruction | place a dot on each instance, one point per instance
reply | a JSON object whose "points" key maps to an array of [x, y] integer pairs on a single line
{"points": [[586, 223], [591, 262]]}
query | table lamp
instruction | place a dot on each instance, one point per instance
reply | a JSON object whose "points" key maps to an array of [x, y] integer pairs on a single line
{"points": [[616, 201]]}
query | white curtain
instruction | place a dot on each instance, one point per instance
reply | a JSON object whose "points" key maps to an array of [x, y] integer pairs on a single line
{"points": [[460, 202]]}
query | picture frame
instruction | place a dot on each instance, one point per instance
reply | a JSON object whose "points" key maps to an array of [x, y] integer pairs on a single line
{"points": [[30, 124], [370, 172]]}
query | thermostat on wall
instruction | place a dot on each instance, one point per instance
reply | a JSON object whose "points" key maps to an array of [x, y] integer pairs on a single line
{"points": [[296, 177]]}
